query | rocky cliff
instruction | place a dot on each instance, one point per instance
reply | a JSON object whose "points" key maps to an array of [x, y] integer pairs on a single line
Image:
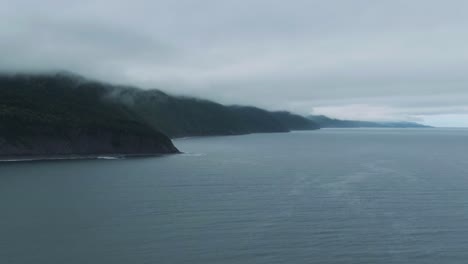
{"points": [[44, 116]]}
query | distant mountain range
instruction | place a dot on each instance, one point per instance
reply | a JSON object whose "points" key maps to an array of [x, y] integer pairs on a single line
{"points": [[65, 114], [326, 122], [179, 116]]}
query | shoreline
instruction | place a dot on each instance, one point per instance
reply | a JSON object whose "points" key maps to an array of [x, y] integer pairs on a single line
{"points": [[107, 156], [8, 159]]}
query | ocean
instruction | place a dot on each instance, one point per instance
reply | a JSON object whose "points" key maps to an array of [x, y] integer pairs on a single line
{"points": [[327, 196]]}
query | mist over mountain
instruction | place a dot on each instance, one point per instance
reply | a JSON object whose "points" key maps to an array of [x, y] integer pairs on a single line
{"points": [[400, 60], [63, 113], [185, 116]]}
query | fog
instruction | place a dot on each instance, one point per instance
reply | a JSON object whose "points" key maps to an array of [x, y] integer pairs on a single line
{"points": [[368, 60]]}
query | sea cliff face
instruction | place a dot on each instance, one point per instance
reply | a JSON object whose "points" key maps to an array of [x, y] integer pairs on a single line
{"points": [[61, 115], [86, 142]]}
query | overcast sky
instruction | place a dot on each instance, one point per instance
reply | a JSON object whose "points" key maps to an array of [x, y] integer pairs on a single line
{"points": [[352, 59]]}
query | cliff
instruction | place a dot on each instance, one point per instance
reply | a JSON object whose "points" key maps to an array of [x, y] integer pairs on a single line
{"points": [[60, 115]]}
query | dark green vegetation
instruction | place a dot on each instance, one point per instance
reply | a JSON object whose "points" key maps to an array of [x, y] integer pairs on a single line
{"points": [[327, 122], [61, 114], [185, 116], [67, 114]]}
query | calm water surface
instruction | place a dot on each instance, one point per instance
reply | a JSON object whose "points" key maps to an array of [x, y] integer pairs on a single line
{"points": [[330, 196]]}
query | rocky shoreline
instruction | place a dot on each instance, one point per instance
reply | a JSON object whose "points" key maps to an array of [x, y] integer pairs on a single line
{"points": [[112, 156]]}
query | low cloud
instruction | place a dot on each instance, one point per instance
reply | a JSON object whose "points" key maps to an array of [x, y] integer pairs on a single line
{"points": [[372, 60]]}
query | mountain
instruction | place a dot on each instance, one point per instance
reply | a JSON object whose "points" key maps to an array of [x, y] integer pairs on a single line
{"points": [[295, 122], [179, 116], [44, 115], [184, 116], [60, 114], [327, 122]]}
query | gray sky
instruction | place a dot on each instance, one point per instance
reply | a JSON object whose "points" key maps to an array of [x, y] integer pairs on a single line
{"points": [[353, 59]]}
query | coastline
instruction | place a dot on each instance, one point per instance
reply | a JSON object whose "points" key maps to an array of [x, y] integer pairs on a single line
{"points": [[111, 156], [114, 156]]}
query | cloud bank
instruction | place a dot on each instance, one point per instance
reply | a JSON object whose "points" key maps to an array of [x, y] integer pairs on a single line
{"points": [[361, 59]]}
